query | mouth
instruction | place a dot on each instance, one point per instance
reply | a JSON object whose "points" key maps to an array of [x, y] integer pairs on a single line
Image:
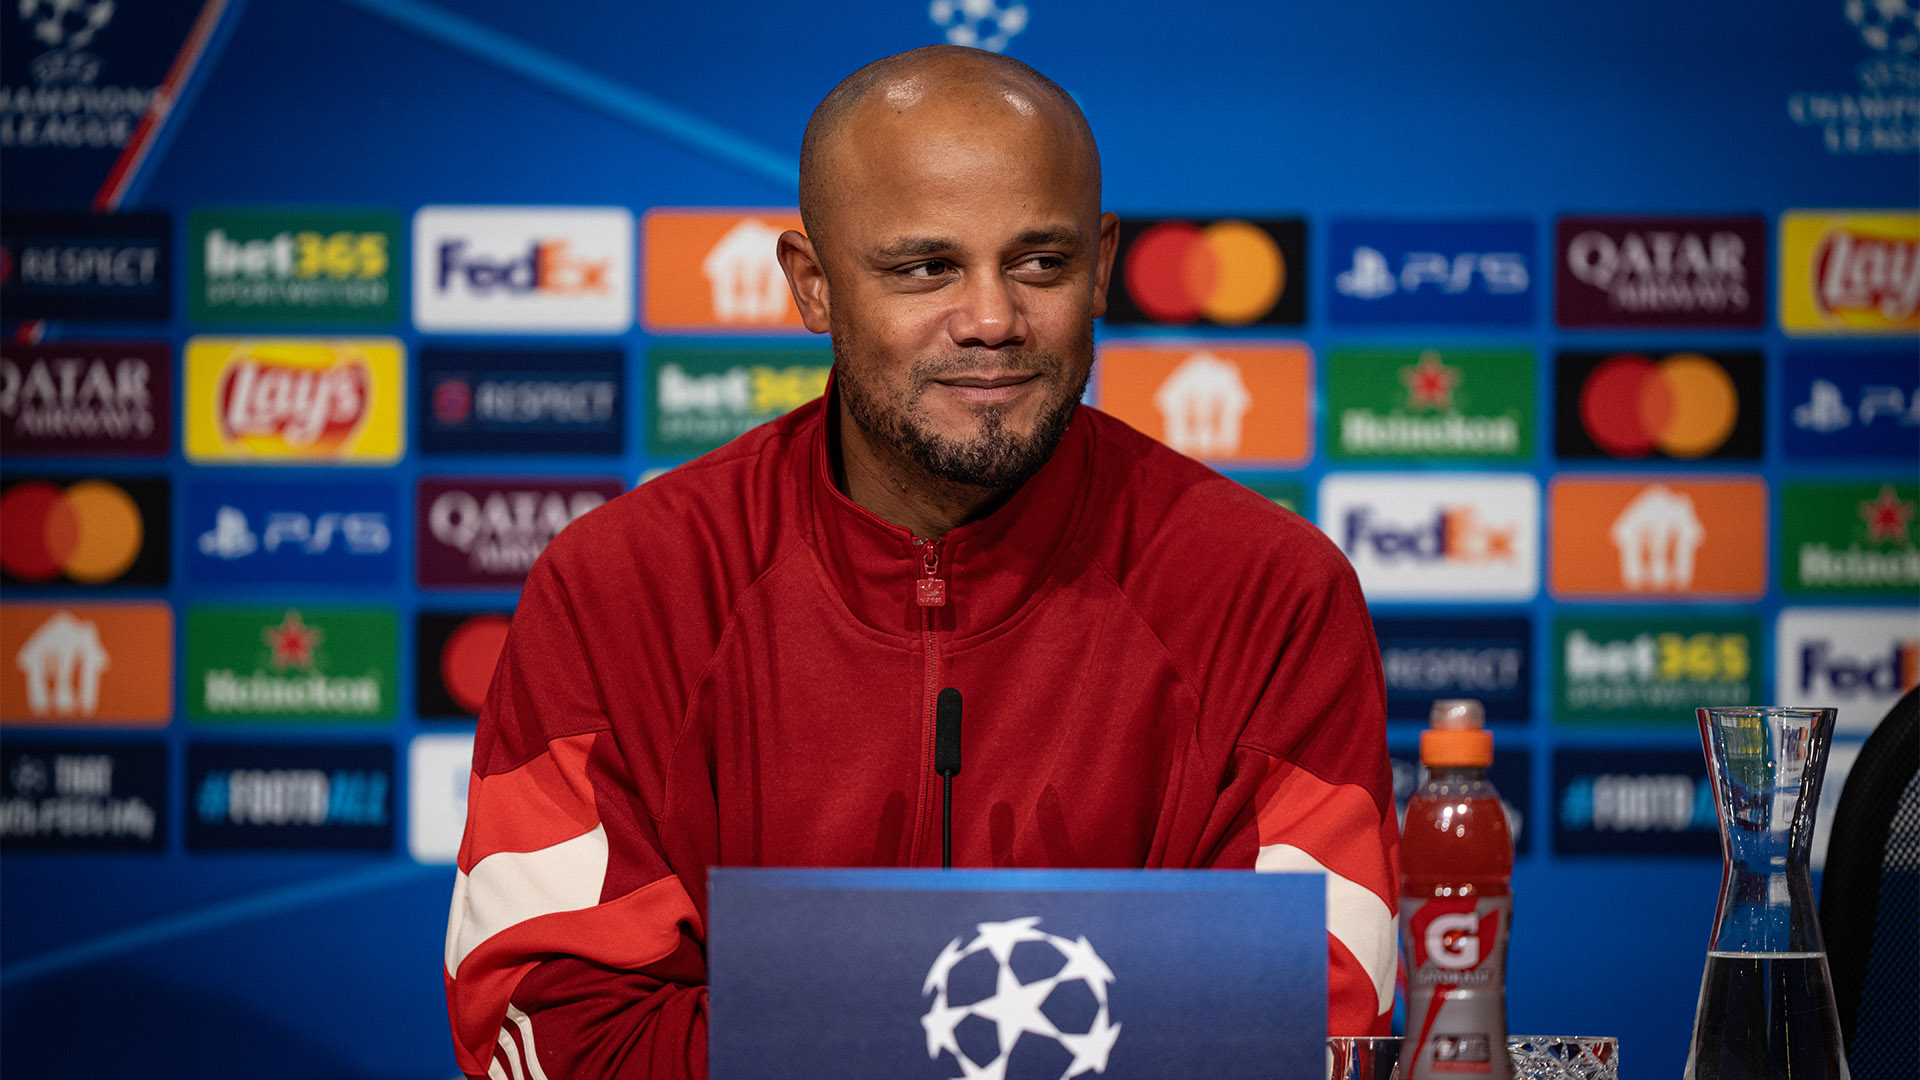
{"points": [[987, 389]]}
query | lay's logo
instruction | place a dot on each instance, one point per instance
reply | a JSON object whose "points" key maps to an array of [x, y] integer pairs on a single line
{"points": [[1849, 273], [289, 400]]}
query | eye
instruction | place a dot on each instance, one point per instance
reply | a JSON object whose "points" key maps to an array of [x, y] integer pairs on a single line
{"points": [[929, 269], [1040, 266]]}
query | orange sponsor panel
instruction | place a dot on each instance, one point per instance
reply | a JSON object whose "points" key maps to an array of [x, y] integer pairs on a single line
{"points": [[716, 270], [1238, 403], [1658, 537], [86, 665]]}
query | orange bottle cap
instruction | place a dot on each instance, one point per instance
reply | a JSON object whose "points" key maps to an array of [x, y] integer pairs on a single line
{"points": [[1457, 736]]}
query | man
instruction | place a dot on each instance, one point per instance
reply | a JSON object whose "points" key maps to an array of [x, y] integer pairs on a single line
{"points": [[736, 664]]}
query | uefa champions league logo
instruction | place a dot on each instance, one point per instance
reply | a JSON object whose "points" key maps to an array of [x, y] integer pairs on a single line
{"points": [[1016, 991], [984, 24]]}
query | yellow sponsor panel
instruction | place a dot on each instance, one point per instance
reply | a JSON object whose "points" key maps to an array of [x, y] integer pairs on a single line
{"points": [[1849, 272], [288, 401]]}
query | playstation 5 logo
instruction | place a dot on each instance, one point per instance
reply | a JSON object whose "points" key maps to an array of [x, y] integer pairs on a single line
{"points": [[1432, 272], [232, 538], [1370, 278]]}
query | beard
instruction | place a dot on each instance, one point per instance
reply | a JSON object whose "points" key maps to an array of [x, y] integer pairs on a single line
{"points": [[995, 457]]}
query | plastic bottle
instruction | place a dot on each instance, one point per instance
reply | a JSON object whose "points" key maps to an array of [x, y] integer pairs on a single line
{"points": [[1456, 904]]}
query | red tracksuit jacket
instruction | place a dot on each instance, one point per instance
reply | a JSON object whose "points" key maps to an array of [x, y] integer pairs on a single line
{"points": [[728, 666]]}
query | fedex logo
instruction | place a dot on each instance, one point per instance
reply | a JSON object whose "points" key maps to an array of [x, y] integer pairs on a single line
{"points": [[547, 266], [1432, 272], [1859, 660], [1431, 536], [1452, 534], [523, 269]]}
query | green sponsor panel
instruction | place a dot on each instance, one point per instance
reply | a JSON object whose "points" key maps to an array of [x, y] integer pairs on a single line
{"points": [[312, 664], [1649, 670], [1854, 538], [701, 398], [1442, 404], [1291, 494], [259, 267]]}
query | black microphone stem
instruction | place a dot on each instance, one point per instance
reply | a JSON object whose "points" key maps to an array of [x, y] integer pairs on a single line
{"points": [[946, 823]]}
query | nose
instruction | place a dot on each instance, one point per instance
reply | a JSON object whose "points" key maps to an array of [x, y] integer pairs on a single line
{"points": [[987, 313]]}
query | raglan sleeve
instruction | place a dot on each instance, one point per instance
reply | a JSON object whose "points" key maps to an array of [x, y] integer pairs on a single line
{"points": [[1309, 786], [572, 947]]}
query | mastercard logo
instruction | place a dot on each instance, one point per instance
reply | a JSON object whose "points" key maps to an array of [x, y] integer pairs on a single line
{"points": [[90, 532], [1227, 272], [468, 659]]}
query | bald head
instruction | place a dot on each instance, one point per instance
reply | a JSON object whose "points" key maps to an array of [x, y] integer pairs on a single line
{"points": [[925, 88]]}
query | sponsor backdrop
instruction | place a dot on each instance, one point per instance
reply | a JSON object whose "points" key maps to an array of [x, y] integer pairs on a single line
{"points": [[1589, 333]]}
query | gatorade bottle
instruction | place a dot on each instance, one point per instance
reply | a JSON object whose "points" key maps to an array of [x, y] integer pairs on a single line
{"points": [[1455, 904]]}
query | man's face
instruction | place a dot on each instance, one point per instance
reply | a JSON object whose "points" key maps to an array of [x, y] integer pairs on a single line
{"points": [[965, 263]]}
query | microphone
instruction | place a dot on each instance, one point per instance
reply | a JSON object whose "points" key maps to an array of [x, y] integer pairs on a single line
{"points": [[946, 762]]}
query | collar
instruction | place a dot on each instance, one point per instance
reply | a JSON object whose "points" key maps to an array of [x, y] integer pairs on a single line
{"points": [[991, 567]]}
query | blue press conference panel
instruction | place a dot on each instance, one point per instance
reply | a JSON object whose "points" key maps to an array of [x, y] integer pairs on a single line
{"points": [[1458, 187], [892, 973]]}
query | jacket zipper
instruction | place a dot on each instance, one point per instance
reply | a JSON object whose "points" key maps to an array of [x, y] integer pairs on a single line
{"points": [[930, 591]]}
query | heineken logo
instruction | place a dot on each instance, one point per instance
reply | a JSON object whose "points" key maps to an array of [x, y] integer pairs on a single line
{"points": [[1460, 404], [1855, 538], [289, 663]]}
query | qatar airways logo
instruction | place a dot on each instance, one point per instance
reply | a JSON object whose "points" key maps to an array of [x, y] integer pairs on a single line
{"points": [[480, 531], [1673, 272], [523, 269]]}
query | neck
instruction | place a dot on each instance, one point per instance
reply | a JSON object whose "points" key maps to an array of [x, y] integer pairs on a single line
{"points": [[897, 490]]}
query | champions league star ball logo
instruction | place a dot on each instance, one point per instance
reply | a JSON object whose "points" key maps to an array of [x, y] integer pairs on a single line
{"points": [[66, 23], [981, 23], [1018, 995], [1888, 26]]}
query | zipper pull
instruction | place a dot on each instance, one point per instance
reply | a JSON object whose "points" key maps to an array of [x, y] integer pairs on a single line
{"points": [[929, 589]]}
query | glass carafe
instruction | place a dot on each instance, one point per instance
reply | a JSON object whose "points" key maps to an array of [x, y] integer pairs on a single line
{"points": [[1766, 1002]]}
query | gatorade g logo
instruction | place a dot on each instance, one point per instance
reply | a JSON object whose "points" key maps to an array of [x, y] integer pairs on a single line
{"points": [[1450, 934], [1230, 273]]}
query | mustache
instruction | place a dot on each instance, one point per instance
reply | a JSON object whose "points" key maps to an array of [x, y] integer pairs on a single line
{"points": [[928, 369]]}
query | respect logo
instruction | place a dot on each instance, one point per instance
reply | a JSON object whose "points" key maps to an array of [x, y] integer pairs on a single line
{"points": [[258, 266], [84, 532], [523, 269], [1226, 272], [105, 665], [1849, 273], [717, 270], [1625, 670], [1677, 536], [1436, 536], [294, 400], [1473, 404], [1244, 403], [1684, 406], [1850, 538]]}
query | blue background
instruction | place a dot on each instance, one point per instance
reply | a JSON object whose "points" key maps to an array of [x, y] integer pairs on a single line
{"points": [[328, 964]]}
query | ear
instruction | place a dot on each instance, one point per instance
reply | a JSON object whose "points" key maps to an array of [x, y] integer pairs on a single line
{"points": [[807, 277], [1103, 268]]}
